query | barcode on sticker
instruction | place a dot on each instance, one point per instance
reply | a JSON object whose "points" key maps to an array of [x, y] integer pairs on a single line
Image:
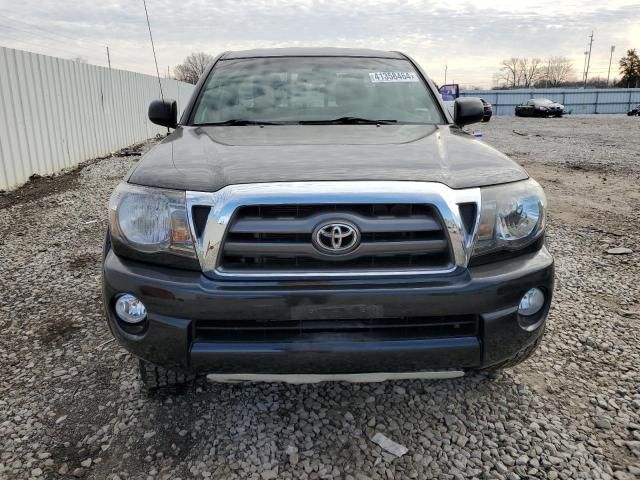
{"points": [[377, 77]]}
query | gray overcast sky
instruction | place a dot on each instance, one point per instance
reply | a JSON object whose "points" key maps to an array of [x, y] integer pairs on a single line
{"points": [[470, 36]]}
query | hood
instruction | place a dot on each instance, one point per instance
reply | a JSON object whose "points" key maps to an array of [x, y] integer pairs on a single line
{"points": [[210, 158]]}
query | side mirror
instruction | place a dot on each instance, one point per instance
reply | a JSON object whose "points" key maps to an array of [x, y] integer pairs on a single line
{"points": [[467, 110], [449, 92], [164, 113]]}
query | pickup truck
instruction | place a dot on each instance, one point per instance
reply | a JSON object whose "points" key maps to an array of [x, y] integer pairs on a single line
{"points": [[319, 215]]}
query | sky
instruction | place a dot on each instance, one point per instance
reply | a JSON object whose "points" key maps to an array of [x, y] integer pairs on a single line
{"points": [[470, 37]]}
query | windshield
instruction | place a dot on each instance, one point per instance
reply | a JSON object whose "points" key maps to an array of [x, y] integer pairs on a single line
{"points": [[315, 89]]}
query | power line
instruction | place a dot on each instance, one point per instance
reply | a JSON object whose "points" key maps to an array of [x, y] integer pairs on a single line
{"points": [[153, 48], [34, 42], [35, 39], [47, 31]]}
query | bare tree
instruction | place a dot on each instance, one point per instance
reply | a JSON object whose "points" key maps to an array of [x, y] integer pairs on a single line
{"points": [[558, 70], [530, 71], [508, 75], [192, 67], [520, 72]]}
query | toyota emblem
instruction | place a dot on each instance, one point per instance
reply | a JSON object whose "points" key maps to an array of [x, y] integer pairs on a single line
{"points": [[336, 238]]}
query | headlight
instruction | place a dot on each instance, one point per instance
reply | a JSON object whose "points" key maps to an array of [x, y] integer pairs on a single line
{"points": [[150, 220], [511, 216]]}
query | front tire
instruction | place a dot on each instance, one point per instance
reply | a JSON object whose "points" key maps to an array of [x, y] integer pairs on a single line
{"points": [[160, 379]]}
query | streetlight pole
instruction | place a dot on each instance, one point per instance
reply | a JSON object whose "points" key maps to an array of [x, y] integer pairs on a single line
{"points": [[613, 49], [445, 73]]}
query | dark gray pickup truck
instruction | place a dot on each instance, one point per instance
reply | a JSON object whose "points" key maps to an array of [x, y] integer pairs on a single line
{"points": [[317, 214]]}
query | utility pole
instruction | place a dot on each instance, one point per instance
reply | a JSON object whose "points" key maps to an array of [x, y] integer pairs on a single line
{"points": [[586, 72], [613, 49], [168, 75], [445, 73], [584, 67], [108, 57]]}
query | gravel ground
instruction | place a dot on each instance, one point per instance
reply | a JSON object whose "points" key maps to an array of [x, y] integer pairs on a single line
{"points": [[71, 404]]}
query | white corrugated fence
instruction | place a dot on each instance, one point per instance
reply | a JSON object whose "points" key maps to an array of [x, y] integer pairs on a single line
{"points": [[56, 113], [575, 100]]}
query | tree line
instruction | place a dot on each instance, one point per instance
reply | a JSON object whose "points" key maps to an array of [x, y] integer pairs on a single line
{"points": [[558, 71]]}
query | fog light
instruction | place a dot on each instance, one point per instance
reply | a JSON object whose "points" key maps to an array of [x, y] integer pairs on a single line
{"points": [[130, 309], [531, 303]]}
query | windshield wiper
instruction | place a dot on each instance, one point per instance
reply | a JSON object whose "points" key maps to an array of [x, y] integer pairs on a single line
{"points": [[235, 122], [348, 121]]}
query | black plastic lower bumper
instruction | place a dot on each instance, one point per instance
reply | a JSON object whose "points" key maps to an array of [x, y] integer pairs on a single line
{"points": [[177, 300]]}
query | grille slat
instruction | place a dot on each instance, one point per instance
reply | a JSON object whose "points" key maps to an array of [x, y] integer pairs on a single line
{"points": [[278, 238], [366, 225], [307, 249]]}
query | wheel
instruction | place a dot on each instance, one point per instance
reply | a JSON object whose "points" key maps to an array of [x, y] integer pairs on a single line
{"points": [[486, 119], [155, 378], [518, 358]]}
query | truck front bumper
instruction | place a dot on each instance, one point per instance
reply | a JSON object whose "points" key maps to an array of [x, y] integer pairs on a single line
{"points": [[178, 301]]}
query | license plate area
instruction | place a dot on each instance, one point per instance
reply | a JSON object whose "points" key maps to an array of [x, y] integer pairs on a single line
{"points": [[332, 312]]}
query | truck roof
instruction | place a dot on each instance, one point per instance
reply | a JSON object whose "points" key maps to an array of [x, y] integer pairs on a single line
{"points": [[311, 52]]}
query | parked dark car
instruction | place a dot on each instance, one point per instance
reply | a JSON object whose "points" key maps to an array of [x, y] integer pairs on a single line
{"points": [[634, 111], [488, 110], [317, 214], [540, 107]]}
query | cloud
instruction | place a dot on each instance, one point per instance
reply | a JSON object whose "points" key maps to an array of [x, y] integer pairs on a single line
{"points": [[470, 36]]}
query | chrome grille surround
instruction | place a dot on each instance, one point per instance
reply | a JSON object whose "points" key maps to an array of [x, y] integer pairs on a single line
{"points": [[223, 204]]}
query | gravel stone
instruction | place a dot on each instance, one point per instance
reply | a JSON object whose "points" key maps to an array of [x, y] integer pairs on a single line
{"points": [[619, 251], [603, 423], [67, 389], [78, 472]]}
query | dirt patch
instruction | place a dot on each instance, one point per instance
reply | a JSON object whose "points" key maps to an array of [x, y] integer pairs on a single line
{"points": [[61, 328], [82, 261], [589, 167], [39, 187]]}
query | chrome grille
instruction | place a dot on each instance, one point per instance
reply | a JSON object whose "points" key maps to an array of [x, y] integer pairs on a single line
{"points": [[211, 215], [278, 238]]}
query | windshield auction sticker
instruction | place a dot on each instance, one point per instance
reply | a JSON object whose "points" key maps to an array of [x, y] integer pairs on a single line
{"points": [[380, 77]]}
